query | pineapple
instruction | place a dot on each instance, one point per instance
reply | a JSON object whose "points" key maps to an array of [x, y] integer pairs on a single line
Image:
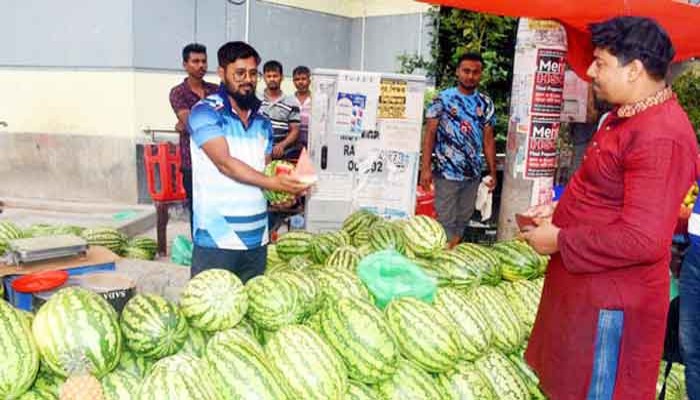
{"points": [[81, 387], [81, 384]]}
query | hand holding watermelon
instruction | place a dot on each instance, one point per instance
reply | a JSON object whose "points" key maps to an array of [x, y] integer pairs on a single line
{"points": [[288, 180]]}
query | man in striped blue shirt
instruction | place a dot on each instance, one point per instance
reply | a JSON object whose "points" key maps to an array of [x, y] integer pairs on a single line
{"points": [[231, 144]]}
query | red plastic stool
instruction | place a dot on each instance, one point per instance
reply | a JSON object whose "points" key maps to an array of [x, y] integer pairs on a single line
{"points": [[162, 162]]}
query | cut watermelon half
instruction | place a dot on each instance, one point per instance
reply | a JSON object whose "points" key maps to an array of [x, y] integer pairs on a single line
{"points": [[304, 170]]}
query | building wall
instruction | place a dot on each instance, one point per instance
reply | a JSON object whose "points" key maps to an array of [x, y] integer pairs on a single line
{"points": [[88, 33], [87, 79]]}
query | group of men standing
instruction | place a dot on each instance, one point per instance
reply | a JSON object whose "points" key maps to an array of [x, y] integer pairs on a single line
{"points": [[600, 328]]}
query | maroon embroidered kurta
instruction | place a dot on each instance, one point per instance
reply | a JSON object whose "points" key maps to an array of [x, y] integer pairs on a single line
{"points": [[617, 217]]}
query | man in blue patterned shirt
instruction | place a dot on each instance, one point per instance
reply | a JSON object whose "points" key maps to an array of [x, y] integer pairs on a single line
{"points": [[458, 129]]}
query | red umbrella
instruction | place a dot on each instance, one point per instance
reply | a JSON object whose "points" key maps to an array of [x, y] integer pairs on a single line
{"points": [[680, 18]]}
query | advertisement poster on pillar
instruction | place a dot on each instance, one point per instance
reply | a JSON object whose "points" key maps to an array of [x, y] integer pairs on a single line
{"points": [[541, 157], [548, 91]]}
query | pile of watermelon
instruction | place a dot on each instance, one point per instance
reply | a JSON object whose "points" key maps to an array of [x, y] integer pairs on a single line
{"points": [[307, 329], [139, 247]]}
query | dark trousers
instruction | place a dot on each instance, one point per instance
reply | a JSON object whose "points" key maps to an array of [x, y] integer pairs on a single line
{"points": [[246, 264], [187, 183], [690, 320]]}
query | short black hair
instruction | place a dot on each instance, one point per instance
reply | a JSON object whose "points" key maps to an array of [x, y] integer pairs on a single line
{"points": [[470, 56], [301, 70], [635, 38], [193, 48], [232, 51], [273, 66]]}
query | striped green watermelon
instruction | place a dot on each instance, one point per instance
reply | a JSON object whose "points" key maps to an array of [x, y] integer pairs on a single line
{"points": [[451, 268], [293, 243], [8, 231], [19, 356], [424, 236], [299, 263], [134, 364], [120, 385], [483, 259], [424, 335], [473, 331], [196, 342], [72, 313], [359, 220], [277, 268], [313, 321], [241, 368], [275, 168], [310, 297], [410, 382], [247, 327], [273, 302], [675, 384], [359, 391], [48, 382], [502, 376], [344, 257], [137, 253], [323, 245], [39, 230], [465, 382], [178, 377], [69, 230], [508, 331], [339, 283], [144, 242], [106, 237], [362, 237], [310, 366], [528, 376], [214, 300], [272, 257], [141, 247], [37, 394], [364, 251], [524, 299], [153, 326], [387, 236], [358, 332], [518, 260]]}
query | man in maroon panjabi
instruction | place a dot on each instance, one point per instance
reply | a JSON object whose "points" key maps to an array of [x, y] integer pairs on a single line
{"points": [[600, 328]]}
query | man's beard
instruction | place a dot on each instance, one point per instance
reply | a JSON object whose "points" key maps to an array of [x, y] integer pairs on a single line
{"points": [[245, 101], [468, 87]]}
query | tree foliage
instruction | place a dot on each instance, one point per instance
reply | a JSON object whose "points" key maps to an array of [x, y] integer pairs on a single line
{"points": [[456, 32], [687, 88]]}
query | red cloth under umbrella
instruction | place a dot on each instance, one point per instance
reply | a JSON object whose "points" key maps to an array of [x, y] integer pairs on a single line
{"points": [[680, 18]]}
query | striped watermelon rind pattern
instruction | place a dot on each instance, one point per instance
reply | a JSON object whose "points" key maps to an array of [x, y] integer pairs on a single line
{"points": [[153, 327], [214, 300], [19, 356], [311, 367], [241, 368], [424, 336], [359, 333], [424, 236], [78, 330]]}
